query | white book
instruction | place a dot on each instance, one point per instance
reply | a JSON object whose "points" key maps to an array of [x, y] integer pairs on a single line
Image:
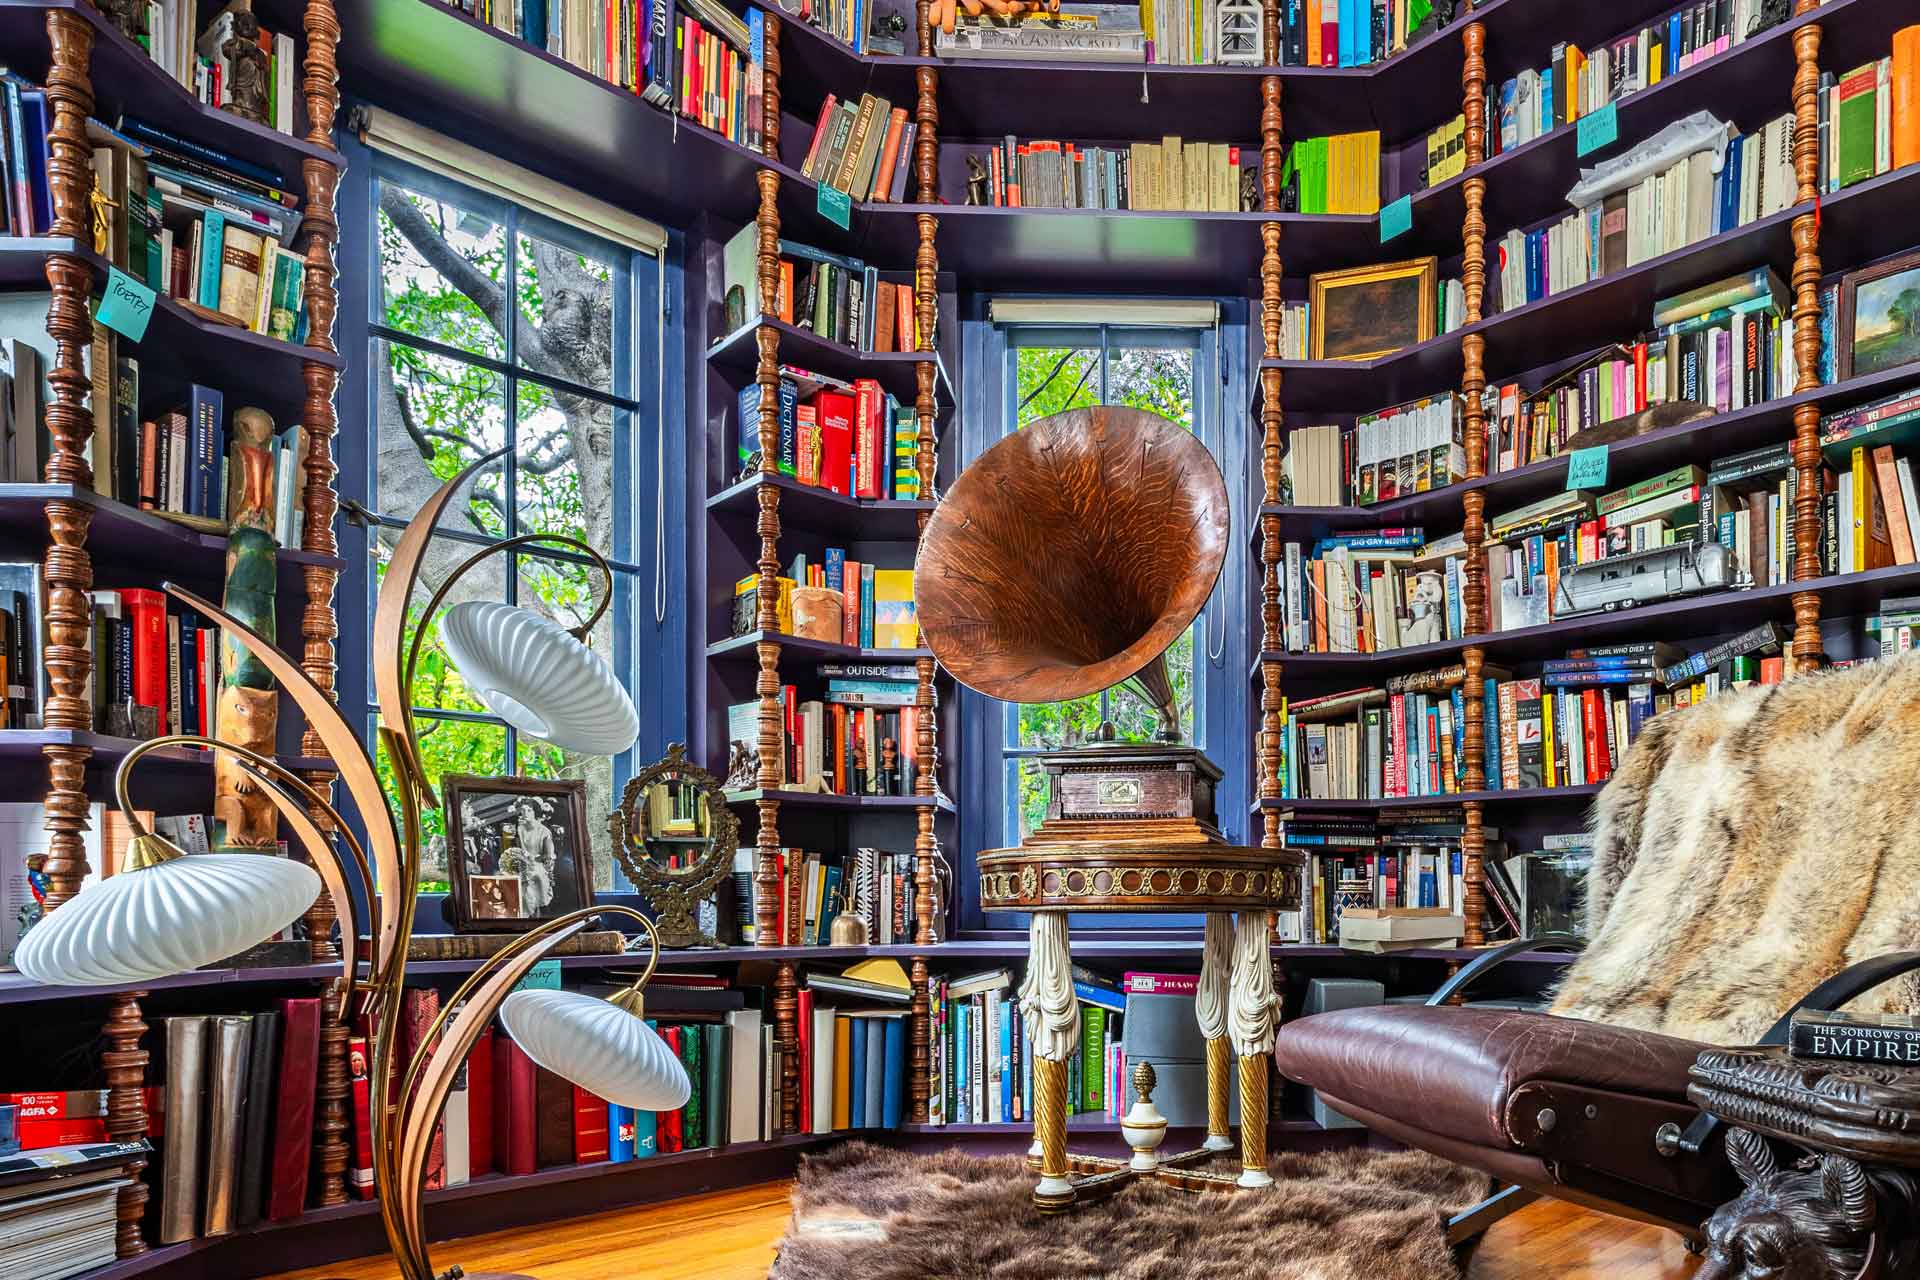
{"points": [[456, 1137], [1903, 467], [745, 1110], [823, 1051], [285, 60], [1846, 527], [767, 1092], [1883, 115]]}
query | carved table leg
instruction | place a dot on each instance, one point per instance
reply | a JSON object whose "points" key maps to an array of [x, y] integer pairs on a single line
{"points": [[1256, 1019], [1053, 1032], [1210, 1008]]}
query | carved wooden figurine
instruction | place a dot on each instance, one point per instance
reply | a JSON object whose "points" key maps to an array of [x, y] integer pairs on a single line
{"points": [[247, 711], [246, 90]]}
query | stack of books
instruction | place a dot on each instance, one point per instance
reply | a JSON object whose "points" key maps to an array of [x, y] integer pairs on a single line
{"points": [[1389, 453], [837, 297], [981, 1070], [1349, 33], [874, 884], [1870, 116], [1409, 859], [850, 438], [1371, 591], [1336, 174], [1168, 175], [864, 148], [196, 57], [1076, 33], [62, 1205], [877, 604], [861, 738]]}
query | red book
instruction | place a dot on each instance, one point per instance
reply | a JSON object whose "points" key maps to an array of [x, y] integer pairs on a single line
{"points": [[293, 1112], [59, 1131], [821, 128], [667, 1123], [513, 1128], [1594, 735], [904, 337], [805, 1034], [836, 416], [870, 443], [147, 626], [72, 1105], [419, 1006], [480, 1104], [360, 1173], [850, 603], [589, 1127]]}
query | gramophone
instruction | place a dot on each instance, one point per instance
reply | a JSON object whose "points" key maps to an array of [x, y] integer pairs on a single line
{"points": [[1063, 562]]}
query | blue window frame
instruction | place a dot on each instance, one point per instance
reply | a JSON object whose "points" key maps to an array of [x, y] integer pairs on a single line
{"points": [[489, 325]]}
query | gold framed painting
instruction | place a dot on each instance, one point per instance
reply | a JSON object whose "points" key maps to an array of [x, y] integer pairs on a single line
{"points": [[1364, 312]]}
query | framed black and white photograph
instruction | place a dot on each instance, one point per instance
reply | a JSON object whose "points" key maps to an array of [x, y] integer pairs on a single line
{"points": [[517, 851]]}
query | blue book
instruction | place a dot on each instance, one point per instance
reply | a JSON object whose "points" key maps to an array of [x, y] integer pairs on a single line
{"points": [[619, 1133], [1006, 1063], [213, 236], [1675, 22], [1545, 100], [659, 89], [1490, 716], [1432, 739], [189, 674], [823, 926], [1429, 885], [1349, 27], [857, 1086], [141, 131], [646, 1134], [1731, 174], [866, 606], [156, 269], [206, 451], [894, 1087], [1099, 997], [33, 110], [533, 21], [963, 1058], [1459, 735], [836, 557]]}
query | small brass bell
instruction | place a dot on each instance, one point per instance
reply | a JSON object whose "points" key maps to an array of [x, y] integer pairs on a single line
{"points": [[847, 929]]}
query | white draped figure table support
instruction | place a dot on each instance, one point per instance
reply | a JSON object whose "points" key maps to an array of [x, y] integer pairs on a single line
{"points": [[1210, 1008], [1256, 1020], [1053, 1033]]}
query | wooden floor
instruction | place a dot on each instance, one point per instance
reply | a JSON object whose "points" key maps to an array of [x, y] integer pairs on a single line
{"points": [[730, 1235]]}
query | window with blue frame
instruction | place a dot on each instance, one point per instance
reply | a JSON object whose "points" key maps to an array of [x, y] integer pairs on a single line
{"points": [[1172, 372], [493, 326]]}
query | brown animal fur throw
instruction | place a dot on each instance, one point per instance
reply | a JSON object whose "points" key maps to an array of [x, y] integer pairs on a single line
{"points": [[875, 1214], [1751, 847]]}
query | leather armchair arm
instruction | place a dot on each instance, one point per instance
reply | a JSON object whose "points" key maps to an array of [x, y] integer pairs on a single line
{"points": [[1486, 963], [1844, 986]]}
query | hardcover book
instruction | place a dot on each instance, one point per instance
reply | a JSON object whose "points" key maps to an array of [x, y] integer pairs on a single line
{"points": [[1860, 1037]]}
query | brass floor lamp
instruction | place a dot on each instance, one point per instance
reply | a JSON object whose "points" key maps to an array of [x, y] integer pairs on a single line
{"points": [[167, 912]]}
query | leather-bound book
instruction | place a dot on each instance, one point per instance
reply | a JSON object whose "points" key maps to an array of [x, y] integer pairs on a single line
{"points": [[180, 1158], [419, 1006], [714, 1059], [590, 1137], [480, 1105], [553, 1119], [226, 1105], [263, 1055], [293, 1109], [360, 1172], [671, 1131], [514, 1145], [693, 1116]]}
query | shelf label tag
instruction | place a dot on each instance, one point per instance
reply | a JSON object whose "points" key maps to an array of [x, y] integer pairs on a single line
{"points": [[126, 306], [1587, 468], [1396, 218], [835, 205], [544, 976], [1597, 129]]}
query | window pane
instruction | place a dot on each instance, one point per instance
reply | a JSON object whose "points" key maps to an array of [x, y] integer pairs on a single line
{"points": [[565, 307], [564, 466], [1027, 784], [436, 416], [1053, 725], [1159, 379], [447, 746], [437, 684], [442, 271], [1049, 379]]}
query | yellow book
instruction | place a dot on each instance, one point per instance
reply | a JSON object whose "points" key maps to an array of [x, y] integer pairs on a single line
{"points": [[1857, 475], [1173, 180], [842, 1071], [1548, 738], [894, 623]]}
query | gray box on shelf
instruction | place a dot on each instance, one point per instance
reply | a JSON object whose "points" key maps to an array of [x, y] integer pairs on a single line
{"points": [[1161, 1029], [1324, 995]]}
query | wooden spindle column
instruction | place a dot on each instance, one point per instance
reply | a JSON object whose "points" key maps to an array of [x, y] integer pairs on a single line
{"points": [[926, 161], [69, 571], [1473, 380], [320, 233], [1272, 636], [786, 985], [1806, 341]]}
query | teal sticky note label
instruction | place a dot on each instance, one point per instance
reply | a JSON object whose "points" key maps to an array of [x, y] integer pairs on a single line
{"points": [[1596, 129], [1396, 218], [126, 306], [544, 976], [836, 206], [1587, 468]]}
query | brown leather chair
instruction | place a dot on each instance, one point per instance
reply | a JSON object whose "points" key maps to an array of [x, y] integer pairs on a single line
{"points": [[1580, 1111]]}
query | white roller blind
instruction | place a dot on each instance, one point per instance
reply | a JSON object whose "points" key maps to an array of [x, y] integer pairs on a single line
{"points": [[461, 163], [1166, 313]]}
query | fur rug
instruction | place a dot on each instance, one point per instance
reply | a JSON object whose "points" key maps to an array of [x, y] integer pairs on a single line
{"points": [[1750, 848], [872, 1213]]}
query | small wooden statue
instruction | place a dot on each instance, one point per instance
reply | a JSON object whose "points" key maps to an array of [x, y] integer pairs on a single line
{"points": [[246, 94], [128, 17], [247, 711], [250, 498], [1250, 190], [889, 767], [979, 189]]}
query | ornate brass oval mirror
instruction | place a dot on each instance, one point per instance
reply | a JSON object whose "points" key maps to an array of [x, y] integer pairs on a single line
{"points": [[676, 837]]}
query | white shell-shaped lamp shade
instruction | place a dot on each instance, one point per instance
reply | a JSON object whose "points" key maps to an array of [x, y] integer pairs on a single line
{"points": [[166, 919], [533, 674], [598, 1046]]}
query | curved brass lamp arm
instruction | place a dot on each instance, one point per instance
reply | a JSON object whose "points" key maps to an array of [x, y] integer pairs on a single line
{"points": [[272, 777], [350, 757]]}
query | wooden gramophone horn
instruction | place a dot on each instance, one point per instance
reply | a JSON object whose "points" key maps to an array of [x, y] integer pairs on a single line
{"points": [[1071, 554]]}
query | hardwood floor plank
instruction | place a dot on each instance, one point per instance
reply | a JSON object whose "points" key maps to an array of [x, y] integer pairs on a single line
{"points": [[730, 1235]]}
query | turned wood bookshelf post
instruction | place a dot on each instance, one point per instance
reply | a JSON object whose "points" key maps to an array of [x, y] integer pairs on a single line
{"points": [[1272, 445], [926, 160], [1807, 647], [320, 229], [1473, 379]]}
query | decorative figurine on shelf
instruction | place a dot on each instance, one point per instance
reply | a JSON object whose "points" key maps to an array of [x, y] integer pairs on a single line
{"points": [[247, 711], [889, 767], [945, 14], [1250, 189], [1772, 14], [246, 93], [128, 17], [1814, 1221], [887, 34], [743, 767], [1429, 598], [250, 496], [979, 184]]}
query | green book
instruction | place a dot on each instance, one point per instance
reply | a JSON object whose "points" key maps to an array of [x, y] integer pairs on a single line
{"points": [[1093, 1021], [714, 1053], [1856, 121], [1678, 478], [693, 1127]]}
